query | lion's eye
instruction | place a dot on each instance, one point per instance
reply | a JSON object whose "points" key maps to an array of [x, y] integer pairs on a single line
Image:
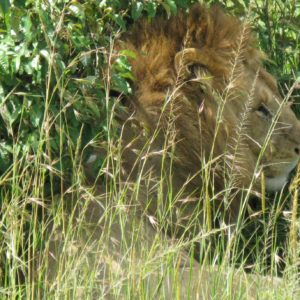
{"points": [[263, 111]]}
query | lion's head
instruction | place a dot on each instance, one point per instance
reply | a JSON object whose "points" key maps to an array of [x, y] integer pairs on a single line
{"points": [[202, 95]]}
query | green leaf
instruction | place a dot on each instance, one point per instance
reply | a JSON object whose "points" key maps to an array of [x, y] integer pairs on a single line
{"points": [[87, 80], [35, 63], [18, 62], [2, 95], [4, 6], [4, 64], [77, 9], [5, 156], [182, 3], [119, 20], [136, 10], [151, 9], [27, 28], [9, 113], [128, 53], [36, 115], [170, 6], [45, 54], [94, 108], [120, 85]]}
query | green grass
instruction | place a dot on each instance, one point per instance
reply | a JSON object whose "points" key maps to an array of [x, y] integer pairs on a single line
{"points": [[95, 240], [66, 236], [92, 243]]}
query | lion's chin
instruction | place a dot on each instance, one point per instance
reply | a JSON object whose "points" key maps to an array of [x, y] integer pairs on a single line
{"points": [[276, 183]]}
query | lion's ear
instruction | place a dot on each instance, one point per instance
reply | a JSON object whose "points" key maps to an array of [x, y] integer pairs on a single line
{"points": [[200, 44], [204, 58], [200, 25], [189, 57], [195, 65]]}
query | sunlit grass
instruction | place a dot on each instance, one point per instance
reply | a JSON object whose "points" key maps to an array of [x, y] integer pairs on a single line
{"points": [[96, 239]]}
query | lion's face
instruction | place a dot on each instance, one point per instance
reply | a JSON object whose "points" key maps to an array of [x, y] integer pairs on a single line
{"points": [[225, 105], [259, 125], [274, 134]]}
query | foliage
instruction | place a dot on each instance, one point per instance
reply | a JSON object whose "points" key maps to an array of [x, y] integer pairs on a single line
{"points": [[60, 80], [54, 57]]}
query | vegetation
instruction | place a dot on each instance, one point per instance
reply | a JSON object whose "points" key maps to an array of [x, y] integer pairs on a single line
{"points": [[60, 85]]}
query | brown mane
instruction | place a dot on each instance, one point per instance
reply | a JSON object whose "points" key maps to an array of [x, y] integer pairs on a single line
{"points": [[156, 44], [199, 80]]}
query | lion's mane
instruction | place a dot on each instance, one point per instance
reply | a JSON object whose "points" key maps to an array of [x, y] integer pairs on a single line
{"points": [[199, 94]]}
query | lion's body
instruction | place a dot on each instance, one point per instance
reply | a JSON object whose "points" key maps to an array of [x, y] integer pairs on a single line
{"points": [[203, 101]]}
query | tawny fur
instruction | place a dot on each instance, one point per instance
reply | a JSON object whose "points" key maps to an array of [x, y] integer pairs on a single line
{"points": [[199, 89]]}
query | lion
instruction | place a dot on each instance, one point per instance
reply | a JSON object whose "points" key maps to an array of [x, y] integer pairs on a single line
{"points": [[205, 125], [213, 121]]}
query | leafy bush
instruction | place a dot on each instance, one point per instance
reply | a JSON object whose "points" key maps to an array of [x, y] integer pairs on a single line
{"points": [[55, 62], [59, 82]]}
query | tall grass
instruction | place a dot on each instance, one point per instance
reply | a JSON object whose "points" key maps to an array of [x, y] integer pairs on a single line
{"points": [[95, 240], [90, 242]]}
